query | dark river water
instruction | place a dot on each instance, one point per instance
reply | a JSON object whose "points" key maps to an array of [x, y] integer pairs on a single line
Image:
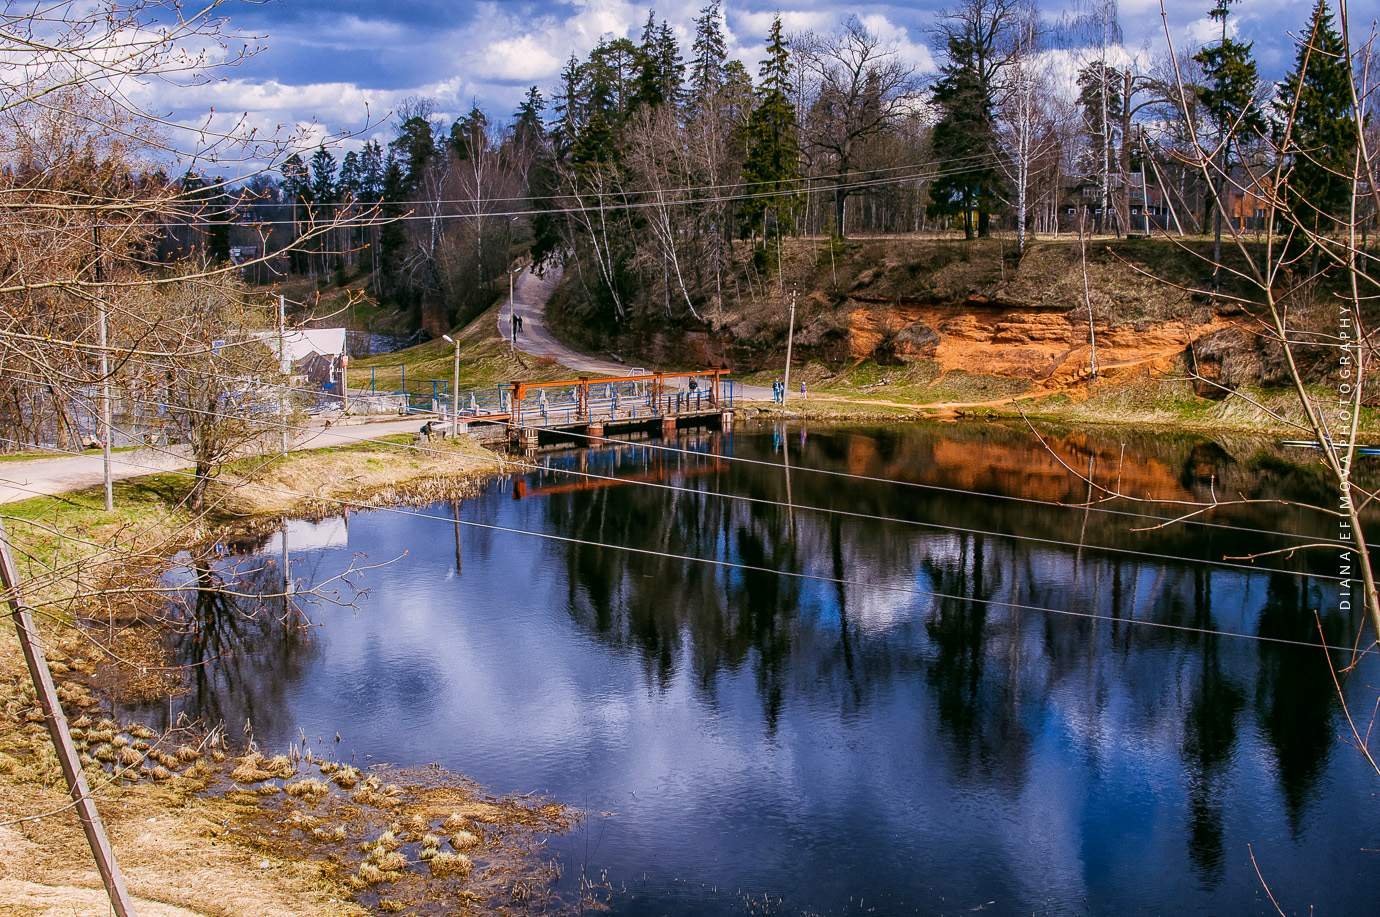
{"points": [[931, 716]]}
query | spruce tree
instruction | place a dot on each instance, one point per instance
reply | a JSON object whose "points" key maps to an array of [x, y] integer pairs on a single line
{"points": [[963, 139], [570, 105], [323, 169], [1229, 95], [1321, 146], [371, 166], [350, 184], [528, 127], [709, 56], [773, 150], [414, 147]]}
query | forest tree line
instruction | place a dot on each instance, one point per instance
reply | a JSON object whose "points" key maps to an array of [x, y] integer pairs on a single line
{"points": [[657, 173]]}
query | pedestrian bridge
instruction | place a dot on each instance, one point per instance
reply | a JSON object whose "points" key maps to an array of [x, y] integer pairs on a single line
{"points": [[539, 413]]}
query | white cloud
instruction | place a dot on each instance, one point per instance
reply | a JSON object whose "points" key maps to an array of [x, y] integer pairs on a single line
{"points": [[917, 55]]}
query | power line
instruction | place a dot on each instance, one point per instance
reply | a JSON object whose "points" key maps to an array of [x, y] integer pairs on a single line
{"points": [[943, 488], [270, 425], [975, 159], [754, 568], [556, 211]]}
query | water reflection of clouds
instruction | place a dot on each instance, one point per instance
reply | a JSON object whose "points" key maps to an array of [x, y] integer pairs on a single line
{"points": [[803, 738]]}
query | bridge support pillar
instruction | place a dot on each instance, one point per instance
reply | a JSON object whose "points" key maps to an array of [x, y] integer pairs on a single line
{"points": [[668, 425], [725, 420], [596, 428]]}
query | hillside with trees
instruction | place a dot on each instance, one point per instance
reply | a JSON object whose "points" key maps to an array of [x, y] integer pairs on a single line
{"points": [[669, 181]]}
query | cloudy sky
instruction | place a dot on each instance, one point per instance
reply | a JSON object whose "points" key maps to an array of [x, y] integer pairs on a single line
{"points": [[341, 63]]}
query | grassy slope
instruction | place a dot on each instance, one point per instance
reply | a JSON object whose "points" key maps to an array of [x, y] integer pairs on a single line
{"points": [[485, 360]]}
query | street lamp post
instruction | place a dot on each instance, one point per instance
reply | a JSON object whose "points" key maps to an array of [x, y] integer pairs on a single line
{"points": [[454, 388]]}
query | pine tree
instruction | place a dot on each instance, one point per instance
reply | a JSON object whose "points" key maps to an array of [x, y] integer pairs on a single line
{"points": [[1321, 146], [469, 135], [296, 180], [1101, 99], [773, 149]]}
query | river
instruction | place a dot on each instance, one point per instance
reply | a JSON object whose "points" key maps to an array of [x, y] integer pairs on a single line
{"points": [[893, 707]]}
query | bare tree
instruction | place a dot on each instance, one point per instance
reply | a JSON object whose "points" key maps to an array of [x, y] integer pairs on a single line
{"points": [[861, 88]]}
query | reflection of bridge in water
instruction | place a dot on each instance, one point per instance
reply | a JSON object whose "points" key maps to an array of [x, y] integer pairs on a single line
{"points": [[564, 410]]}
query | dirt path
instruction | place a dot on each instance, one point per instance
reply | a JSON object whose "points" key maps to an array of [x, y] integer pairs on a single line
{"points": [[531, 293], [46, 477]]}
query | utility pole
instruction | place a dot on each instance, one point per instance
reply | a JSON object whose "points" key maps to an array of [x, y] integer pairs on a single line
{"points": [[345, 381], [454, 388], [790, 338], [61, 736], [284, 367], [104, 335]]}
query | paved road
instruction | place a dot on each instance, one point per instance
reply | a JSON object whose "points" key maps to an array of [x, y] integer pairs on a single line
{"points": [[22, 480], [530, 296]]}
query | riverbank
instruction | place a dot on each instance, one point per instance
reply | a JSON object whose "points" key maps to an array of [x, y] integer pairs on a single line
{"points": [[1138, 399], [202, 824]]}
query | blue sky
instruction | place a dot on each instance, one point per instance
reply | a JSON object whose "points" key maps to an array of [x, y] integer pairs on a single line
{"points": [[344, 63]]}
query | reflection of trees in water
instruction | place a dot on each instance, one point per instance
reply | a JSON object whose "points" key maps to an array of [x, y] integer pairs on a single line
{"points": [[1294, 695], [970, 699], [1210, 725], [981, 661], [242, 654]]}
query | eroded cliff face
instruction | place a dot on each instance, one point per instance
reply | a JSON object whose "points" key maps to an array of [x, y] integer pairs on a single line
{"points": [[1043, 345], [976, 308]]}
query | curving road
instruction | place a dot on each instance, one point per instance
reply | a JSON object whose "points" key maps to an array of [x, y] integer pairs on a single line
{"points": [[531, 293]]}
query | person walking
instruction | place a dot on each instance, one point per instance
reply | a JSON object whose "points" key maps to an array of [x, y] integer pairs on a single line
{"points": [[802, 389]]}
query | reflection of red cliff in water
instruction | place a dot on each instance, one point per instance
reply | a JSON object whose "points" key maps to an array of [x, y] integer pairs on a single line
{"points": [[1025, 468]]}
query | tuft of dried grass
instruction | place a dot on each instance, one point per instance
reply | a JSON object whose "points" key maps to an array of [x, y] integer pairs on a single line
{"points": [[250, 769], [310, 789], [450, 864], [464, 840], [344, 776], [281, 766]]}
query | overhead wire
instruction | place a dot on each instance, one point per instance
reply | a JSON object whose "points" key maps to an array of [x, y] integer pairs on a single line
{"points": [[278, 425], [792, 574], [270, 425], [557, 211]]}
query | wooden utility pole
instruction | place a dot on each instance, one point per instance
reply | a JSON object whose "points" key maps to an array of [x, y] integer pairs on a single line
{"points": [[790, 338], [455, 393], [62, 738], [103, 322], [284, 367]]}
